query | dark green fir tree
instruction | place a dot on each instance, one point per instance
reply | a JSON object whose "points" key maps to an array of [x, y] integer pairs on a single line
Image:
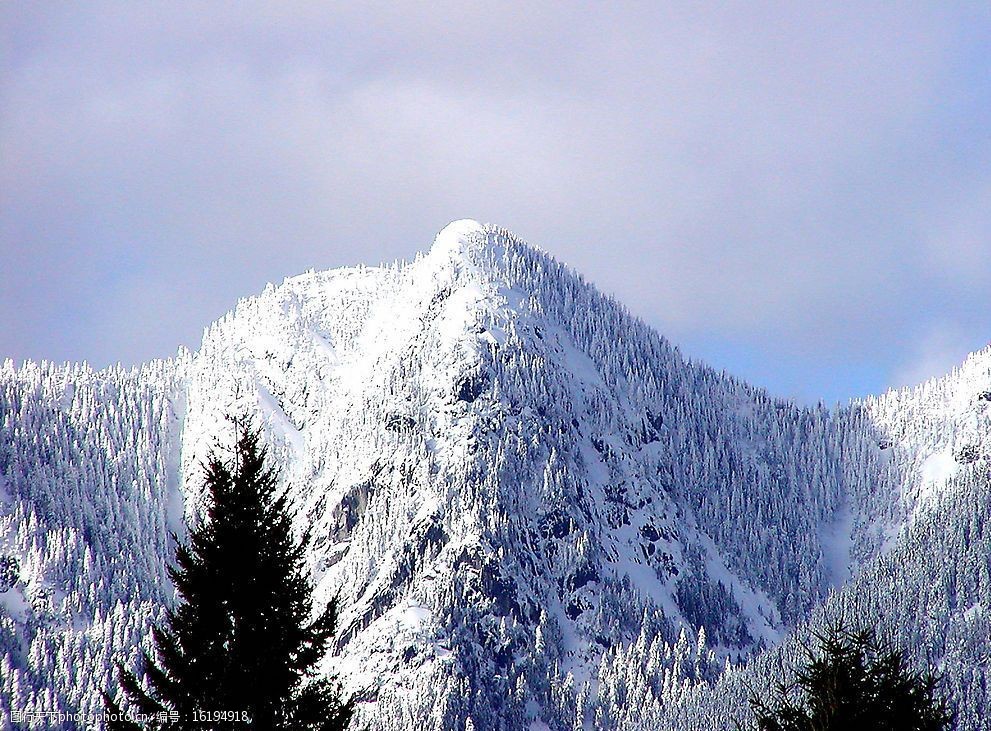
{"points": [[240, 647], [854, 682]]}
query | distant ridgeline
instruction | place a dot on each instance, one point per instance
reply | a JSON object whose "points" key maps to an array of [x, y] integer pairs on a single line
{"points": [[536, 513]]}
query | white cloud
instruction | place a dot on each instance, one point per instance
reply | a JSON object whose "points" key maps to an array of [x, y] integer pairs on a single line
{"points": [[749, 172], [941, 347]]}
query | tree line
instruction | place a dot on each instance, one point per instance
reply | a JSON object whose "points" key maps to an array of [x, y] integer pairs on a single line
{"points": [[241, 646]]}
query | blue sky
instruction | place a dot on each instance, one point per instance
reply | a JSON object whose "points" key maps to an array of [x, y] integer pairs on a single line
{"points": [[798, 193]]}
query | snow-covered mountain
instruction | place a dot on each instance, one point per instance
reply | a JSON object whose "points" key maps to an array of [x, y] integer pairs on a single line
{"points": [[536, 512]]}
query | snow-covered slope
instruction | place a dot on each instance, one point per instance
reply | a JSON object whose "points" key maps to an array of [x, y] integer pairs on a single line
{"points": [[535, 511], [924, 575]]}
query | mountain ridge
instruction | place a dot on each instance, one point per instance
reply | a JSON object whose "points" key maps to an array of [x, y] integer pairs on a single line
{"points": [[525, 496]]}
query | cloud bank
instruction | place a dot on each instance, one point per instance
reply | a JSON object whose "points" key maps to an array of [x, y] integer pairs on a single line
{"points": [[795, 193]]}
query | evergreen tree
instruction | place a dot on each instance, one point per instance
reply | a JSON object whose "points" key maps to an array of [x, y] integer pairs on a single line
{"points": [[854, 683], [240, 640]]}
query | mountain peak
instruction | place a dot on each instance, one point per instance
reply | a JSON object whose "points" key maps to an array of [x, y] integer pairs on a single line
{"points": [[534, 512], [478, 245], [459, 230]]}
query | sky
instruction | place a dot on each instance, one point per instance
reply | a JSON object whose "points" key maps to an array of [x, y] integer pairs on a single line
{"points": [[798, 193]]}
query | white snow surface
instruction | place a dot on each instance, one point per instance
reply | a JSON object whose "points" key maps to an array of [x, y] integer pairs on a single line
{"points": [[531, 508]]}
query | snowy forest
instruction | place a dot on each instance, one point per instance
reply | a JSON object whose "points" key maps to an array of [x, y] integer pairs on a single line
{"points": [[534, 511]]}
